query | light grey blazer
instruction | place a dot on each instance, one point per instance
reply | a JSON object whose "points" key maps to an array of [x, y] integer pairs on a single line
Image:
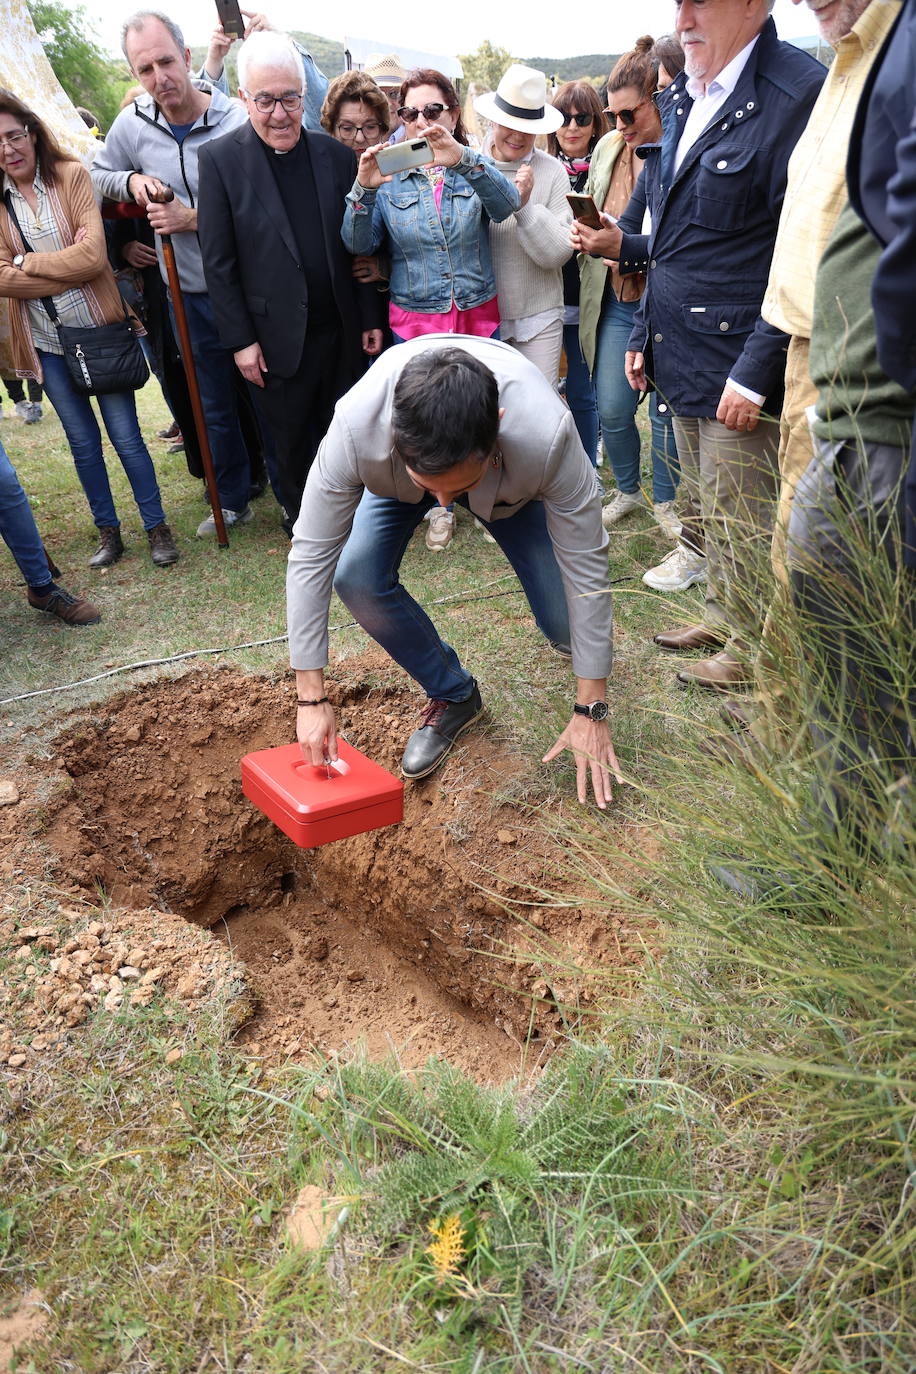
{"points": [[542, 459]]}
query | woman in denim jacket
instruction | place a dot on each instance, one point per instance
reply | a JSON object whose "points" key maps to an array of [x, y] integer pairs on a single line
{"points": [[433, 223]]}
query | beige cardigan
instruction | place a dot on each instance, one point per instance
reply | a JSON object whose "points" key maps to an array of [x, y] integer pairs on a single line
{"points": [[82, 264], [530, 247]]}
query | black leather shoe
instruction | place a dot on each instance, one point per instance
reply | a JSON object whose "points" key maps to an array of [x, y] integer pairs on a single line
{"points": [[443, 722], [799, 892], [110, 547]]}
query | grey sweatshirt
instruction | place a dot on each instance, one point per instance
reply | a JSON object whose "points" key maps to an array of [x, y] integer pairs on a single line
{"points": [[140, 140]]}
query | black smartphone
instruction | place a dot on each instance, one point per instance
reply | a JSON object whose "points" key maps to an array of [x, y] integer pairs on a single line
{"points": [[230, 16]]}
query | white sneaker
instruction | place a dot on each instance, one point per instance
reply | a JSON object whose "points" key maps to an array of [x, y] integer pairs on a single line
{"points": [[622, 503], [230, 518], [678, 571], [23, 409], [441, 528], [484, 531], [666, 519]]}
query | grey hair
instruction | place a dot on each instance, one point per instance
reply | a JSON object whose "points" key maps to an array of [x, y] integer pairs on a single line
{"points": [[138, 21], [265, 48]]}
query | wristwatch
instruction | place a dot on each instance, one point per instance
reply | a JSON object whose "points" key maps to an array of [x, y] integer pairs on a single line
{"points": [[597, 710], [19, 259]]}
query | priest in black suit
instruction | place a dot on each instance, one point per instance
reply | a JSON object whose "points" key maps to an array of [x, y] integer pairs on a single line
{"points": [[284, 297]]}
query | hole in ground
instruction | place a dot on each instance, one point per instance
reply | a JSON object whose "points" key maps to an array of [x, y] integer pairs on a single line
{"points": [[385, 937]]}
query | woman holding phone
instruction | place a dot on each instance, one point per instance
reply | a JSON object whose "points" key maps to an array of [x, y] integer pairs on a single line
{"points": [[433, 224], [608, 300]]}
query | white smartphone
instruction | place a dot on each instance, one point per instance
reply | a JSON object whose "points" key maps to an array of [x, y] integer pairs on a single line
{"points": [[400, 157]]}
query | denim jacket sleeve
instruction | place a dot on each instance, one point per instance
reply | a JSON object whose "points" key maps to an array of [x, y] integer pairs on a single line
{"points": [[363, 227], [497, 195]]}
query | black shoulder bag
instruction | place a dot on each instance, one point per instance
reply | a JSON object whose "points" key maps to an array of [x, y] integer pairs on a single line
{"points": [[102, 359]]}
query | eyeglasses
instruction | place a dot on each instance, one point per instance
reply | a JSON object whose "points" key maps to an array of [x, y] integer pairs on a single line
{"points": [[13, 141], [627, 117], [266, 104], [581, 121], [369, 131], [410, 114]]}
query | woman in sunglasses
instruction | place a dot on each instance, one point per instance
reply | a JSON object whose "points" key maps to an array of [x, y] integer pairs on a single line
{"points": [[608, 300], [433, 224], [584, 123]]}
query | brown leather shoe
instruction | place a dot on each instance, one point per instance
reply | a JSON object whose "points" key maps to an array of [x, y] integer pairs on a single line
{"points": [[690, 637], [110, 547], [162, 545], [72, 610], [722, 673]]}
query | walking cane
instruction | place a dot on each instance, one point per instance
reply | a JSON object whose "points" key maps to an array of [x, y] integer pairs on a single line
{"points": [[187, 357]]}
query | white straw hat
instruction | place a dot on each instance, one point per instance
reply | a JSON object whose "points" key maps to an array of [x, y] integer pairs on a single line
{"points": [[385, 69], [520, 102]]}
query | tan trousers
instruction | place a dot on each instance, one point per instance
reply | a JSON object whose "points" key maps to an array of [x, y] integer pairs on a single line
{"points": [[731, 478]]}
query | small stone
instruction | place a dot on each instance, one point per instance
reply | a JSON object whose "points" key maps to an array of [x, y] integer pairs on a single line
{"points": [[355, 975], [16, 1061], [95, 928], [128, 974], [23, 952], [113, 1000], [329, 1003], [133, 733], [318, 948], [153, 975], [173, 1056], [9, 792], [137, 957], [39, 1043], [506, 837]]}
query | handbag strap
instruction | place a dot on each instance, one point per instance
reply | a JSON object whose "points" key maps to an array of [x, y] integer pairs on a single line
{"points": [[47, 301]]}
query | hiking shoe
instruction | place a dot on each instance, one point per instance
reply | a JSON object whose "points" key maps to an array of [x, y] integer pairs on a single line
{"points": [[162, 545], [678, 571], [35, 412], [177, 447], [484, 531], [230, 517], [110, 548], [666, 518], [621, 504], [171, 433], [443, 722], [21, 408], [72, 610], [440, 531]]}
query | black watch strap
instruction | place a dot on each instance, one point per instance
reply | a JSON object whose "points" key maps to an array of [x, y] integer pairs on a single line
{"points": [[596, 710]]}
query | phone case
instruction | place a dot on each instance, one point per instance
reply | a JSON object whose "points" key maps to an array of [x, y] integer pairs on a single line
{"points": [[401, 157]]}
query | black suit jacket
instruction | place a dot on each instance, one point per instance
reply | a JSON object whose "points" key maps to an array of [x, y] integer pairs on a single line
{"points": [[255, 282]]}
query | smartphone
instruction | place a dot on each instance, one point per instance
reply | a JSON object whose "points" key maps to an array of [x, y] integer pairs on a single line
{"points": [[585, 209], [230, 16], [400, 157]]}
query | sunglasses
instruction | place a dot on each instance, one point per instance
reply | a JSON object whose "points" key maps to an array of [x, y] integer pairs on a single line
{"points": [[581, 121], [410, 114], [627, 117]]}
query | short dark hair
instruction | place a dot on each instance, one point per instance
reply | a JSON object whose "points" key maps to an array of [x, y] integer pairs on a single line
{"points": [[446, 410]]}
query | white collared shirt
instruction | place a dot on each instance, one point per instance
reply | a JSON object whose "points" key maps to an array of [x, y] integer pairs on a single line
{"points": [[708, 100]]}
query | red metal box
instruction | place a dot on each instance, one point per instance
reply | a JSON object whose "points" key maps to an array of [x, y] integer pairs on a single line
{"points": [[316, 805]]}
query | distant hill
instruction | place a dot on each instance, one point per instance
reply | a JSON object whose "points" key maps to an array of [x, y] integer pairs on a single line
{"points": [[594, 66], [328, 54]]}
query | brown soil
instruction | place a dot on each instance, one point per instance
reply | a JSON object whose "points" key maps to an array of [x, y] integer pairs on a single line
{"points": [[386, 937]]}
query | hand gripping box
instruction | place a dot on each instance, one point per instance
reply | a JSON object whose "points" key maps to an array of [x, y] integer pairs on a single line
{"points": [[314, 805]]}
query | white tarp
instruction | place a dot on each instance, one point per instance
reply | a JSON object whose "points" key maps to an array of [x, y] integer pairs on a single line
{"points": [[360, 49]]}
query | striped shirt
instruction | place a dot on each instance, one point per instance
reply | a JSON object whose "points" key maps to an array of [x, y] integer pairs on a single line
{"points": [[40, 227]]}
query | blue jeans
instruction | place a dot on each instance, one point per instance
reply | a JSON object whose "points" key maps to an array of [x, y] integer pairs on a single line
{"points": [[617, 402], [367, 583], [18, 528], [216, 373], [580, 392], [119, 413]]}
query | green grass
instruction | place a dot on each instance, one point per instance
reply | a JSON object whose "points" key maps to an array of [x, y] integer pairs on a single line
{"points": [[718, 1178]]}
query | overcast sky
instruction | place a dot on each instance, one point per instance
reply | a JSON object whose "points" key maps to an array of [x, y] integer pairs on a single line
{"points": [[518, 25]]}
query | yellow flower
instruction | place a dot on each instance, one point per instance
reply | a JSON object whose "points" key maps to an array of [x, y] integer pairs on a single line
{"points": [[447, 1250]]}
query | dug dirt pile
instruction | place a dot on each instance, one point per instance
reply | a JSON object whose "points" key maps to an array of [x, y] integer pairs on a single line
{"points": [[387, 937]]}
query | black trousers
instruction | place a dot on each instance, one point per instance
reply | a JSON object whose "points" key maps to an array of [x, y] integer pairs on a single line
{"points": [[298, 411]]}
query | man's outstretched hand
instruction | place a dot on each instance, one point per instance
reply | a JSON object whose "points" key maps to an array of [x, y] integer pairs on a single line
{"points": [[593, 750]]}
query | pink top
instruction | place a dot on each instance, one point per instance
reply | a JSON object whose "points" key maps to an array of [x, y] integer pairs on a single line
{"points": [[481, 321]]}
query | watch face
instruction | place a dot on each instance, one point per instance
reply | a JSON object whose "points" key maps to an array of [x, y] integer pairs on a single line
{"points": [[598, 710]]}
